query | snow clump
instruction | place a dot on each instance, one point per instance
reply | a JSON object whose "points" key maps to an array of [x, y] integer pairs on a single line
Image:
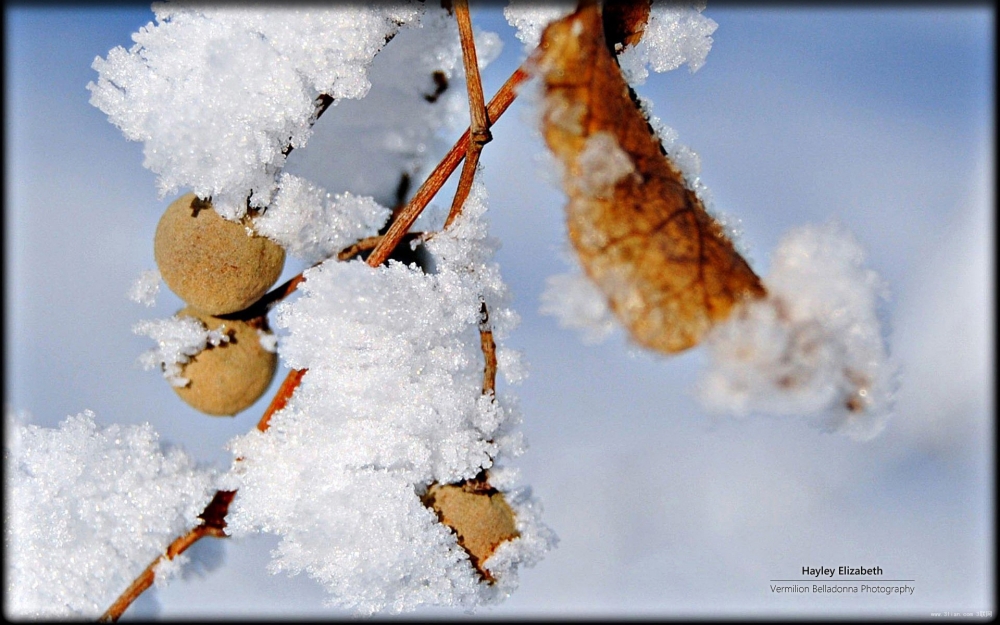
{"points": [[813, 345], [88, 509], [178, 339], [392, 401], [218, 94]]}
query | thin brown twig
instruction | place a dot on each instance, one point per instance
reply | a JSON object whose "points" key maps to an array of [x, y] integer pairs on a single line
{"points": [[213, 524], [370, 243], [498, 105], [479, 126], [489, 348], [281, 398], [213, 518], [146, 578], [480, 123]]}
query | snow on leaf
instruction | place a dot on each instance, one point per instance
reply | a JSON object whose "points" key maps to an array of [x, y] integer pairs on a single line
{"points": [[813, 346], [666, 266]]}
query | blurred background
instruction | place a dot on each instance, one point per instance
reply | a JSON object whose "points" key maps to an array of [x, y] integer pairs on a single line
{"points": [[880, 118]]}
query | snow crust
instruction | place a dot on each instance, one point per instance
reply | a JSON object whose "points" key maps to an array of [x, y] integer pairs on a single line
{"points": [[94, 506]]}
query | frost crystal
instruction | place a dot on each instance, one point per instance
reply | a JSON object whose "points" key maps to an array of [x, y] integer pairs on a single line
{"points": [[674, 35], [218, 93], [178, 339], [145, 287], [813, 345], [88, 508], [391, 402], [313, 224], [169, 568]]}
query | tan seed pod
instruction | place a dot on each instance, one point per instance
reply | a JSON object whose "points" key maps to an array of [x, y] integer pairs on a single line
{"points": [[211, 263], [231, 376], [479, 514]]}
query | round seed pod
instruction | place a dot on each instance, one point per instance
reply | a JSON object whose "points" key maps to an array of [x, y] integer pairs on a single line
{"points": [[478, 513], [229, 377], [215, 265]]}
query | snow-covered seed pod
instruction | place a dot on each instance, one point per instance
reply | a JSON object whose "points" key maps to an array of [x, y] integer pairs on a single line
{"points": [[231, 376], [215, 265]]}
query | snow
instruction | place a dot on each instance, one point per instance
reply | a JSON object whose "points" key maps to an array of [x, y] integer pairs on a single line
{"points": [[268, 340], [530, 18], [312, 224], [146, 286], [814, 345], [365, 146], [576, 302], [674, 35], [217, 94], [600, 165], [168, 569], [95, 506], [178, 339], [391, 402]]}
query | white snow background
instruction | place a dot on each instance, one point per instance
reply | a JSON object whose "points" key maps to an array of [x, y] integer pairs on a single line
{"points": [[878, 118]]}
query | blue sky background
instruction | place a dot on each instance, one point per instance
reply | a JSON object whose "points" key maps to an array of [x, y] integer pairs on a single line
{"points": [[881, 118]]}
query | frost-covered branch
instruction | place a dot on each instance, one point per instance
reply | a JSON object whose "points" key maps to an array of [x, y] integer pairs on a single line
{"points": [[88, 506], [213, 524]]}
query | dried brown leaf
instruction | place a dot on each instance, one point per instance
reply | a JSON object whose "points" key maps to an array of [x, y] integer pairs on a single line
{"points": [[665, 265]]}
